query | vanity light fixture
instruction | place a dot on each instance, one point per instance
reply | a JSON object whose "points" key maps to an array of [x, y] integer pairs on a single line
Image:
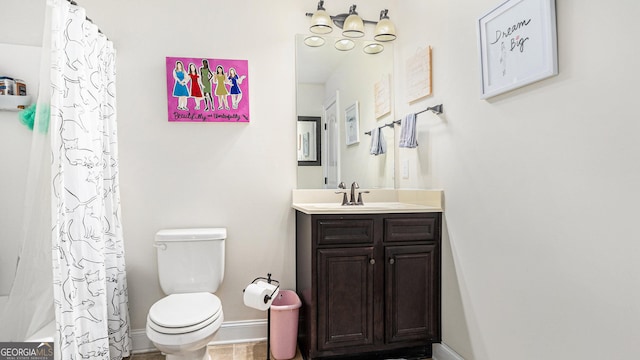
{"points": [[320, 21], [385, 30], [352, 26]]}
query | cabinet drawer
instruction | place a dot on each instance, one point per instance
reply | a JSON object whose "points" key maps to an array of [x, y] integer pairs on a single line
{"points": [[410, 229], [345, 231]]}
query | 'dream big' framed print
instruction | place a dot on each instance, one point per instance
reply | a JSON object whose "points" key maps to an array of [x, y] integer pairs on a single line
{"points": [[518, 45], [207, 90]]}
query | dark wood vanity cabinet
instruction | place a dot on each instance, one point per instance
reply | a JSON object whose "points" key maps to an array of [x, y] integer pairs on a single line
{"points": [[369, 284]]}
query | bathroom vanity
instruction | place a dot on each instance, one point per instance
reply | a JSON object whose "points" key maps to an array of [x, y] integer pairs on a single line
{"points": [[369, 277]]}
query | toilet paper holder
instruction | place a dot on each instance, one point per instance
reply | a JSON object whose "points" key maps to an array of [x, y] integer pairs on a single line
{"points": [[269, 281], [267, 298]]}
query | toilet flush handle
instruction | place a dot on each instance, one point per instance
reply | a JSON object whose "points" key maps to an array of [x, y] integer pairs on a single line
{"points": [[162, 246]]}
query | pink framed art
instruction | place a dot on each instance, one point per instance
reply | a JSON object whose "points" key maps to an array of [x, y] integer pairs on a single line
{"points": [[207, 90]]}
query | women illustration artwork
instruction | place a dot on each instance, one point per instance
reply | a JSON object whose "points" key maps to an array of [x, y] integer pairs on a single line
{"points": [[196, 85], [191, 90], [180, 86], [236, 92], [221, 88], [206, 75]]}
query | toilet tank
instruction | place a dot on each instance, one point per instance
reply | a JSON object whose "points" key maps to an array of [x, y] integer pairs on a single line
{"points": [[190, 260]]}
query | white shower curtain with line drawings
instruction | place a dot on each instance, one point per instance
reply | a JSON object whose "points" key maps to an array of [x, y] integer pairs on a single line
{"points": [[90, 285]]}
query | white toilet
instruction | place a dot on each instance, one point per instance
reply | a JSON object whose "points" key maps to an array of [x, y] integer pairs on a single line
{"points": [[190, 269]]}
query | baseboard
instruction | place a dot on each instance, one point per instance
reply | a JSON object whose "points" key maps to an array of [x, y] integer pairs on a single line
{"points": [[443, 352], [235, 332], [231, 332], [140, 343]]}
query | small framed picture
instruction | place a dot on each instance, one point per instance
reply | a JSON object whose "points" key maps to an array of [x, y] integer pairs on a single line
{"points": [[518, 45], [352, 124]]}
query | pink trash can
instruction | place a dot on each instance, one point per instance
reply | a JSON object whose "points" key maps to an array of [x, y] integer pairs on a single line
{"points": [[284, 324]]}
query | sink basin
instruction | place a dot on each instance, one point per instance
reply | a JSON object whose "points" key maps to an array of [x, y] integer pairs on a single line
{"points": [[373, 205], [367, 208], [332, 206], [378, 201]]}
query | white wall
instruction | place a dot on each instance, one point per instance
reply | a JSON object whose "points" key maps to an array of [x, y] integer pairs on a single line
{"points": [[541, 253], [23, 22]]}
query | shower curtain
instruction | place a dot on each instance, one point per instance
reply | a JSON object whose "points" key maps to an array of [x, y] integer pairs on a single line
{"points": [[89, 278], [30, 304]]}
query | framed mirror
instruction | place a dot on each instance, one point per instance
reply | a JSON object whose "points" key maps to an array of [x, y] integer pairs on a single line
{"points": [[309, 141], [348, 77]]}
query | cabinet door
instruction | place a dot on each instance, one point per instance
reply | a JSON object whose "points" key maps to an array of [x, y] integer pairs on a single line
{"points": [[345, 297], [412, 293]]}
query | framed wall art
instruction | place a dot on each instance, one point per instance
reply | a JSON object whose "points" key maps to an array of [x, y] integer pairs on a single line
{"points": [[207, 90], [309, 141], [352, 124], [382, 96], [518, 45], [418, 75]]}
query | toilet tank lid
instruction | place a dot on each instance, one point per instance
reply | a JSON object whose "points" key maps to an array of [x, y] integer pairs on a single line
{"points": [[198, 234]]}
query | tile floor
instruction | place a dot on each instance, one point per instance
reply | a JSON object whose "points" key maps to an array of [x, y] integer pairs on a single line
{"points": [[245, 351]]}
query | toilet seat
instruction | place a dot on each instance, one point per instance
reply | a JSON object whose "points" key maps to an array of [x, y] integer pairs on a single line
{"points": [[184, 313]]}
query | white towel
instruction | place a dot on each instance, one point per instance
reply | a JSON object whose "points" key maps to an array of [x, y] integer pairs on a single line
{"points": [[408, 132], [378, 144]]}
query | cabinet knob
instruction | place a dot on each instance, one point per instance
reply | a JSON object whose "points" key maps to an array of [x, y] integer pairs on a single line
{"points": [[372, 261], [392, 261]]}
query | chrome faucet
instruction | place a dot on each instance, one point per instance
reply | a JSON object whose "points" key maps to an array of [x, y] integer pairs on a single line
{"points": [[344, 193], [352, 198], [360, 202]]}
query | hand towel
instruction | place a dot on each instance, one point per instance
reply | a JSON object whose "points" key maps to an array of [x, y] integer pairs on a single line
{"points": [[378, 144], [408, 132]]}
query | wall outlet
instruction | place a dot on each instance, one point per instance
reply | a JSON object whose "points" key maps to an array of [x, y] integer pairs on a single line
{"points": [[405, 169]]}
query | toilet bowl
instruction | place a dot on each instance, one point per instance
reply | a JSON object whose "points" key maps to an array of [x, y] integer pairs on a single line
{"points": [[181, 325], [190, 267]]}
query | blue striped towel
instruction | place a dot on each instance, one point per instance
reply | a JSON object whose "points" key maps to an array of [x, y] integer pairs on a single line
{"points": [[408, 132], [378, 144]]}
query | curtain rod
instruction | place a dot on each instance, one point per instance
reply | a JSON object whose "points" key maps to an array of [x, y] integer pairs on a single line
{"points": [[72, 2], [435, 109]]}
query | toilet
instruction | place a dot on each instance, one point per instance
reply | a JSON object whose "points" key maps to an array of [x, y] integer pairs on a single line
{"points": [[190, 269]]}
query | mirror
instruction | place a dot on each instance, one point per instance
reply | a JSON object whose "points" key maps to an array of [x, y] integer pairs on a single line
{"points": [[334, 85], [309, 149]]}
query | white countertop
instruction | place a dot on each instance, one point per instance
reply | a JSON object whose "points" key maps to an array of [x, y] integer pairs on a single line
{"points": [[378, 201]]}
